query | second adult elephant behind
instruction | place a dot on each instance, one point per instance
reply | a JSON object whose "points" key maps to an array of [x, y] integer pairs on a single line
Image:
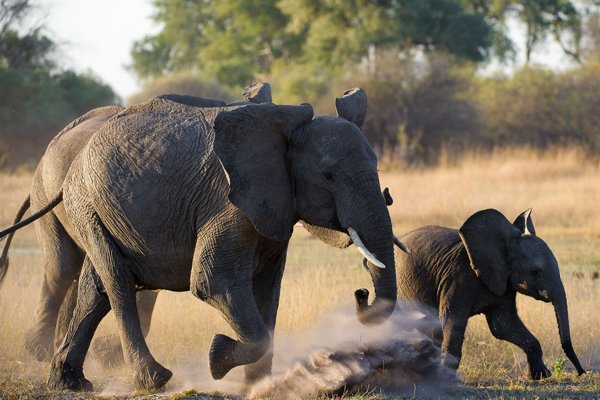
{"points": [[173, 197]]}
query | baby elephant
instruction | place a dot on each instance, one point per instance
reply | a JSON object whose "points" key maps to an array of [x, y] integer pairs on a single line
{"points": [[479, 269]]}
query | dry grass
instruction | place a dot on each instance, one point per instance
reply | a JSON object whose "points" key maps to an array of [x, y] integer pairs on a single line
{"points": [[562, 187]]}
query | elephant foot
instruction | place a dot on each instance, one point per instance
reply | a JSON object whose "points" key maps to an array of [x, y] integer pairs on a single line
{"points": [[64, 377], [251, 378], [538, 372], [221, 356], [108, 351], [449, 361], [151, 376], [226, 353], [39, 345]]}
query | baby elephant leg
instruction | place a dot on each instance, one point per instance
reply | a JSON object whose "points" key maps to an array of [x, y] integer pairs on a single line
{"points": [[453, 331], [505, 324]]}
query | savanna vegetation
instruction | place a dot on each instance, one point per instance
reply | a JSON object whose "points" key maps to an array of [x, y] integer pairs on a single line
{"points": [[562, 187], [38, 95], [452, 137], [423, 64], [426, 66]]}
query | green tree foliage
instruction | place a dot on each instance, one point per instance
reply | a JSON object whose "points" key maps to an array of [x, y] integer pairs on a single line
{"points": [[232, 41], [558, 19], [37, 99], [236, 41], [541, 108], [417, 108], [417, 60]]}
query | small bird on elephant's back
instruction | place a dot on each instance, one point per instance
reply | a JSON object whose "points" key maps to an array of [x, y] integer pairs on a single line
{"points": [[478, 269]]}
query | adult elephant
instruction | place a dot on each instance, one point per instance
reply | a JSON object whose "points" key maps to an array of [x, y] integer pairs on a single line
{"points": [[62, 254], [166, 196], [479, 268]]}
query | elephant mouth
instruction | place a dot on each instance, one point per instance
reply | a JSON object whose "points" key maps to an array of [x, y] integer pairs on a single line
{"points": [[329, 223], [545, 296], [541, 295]]}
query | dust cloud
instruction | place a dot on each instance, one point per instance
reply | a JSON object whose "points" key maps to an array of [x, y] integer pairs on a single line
{"points": [[336, 356], [341, 356]]}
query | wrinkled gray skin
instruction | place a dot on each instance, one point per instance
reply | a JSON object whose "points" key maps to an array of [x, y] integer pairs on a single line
{"points": [[479, 269], [166, 196], [62, 255]]}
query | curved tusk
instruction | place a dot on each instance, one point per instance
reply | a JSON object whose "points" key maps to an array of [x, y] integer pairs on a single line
{"points": [[402, 246], [363, 250]]}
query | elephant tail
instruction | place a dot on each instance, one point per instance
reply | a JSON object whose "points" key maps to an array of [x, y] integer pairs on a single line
{"points": [[17, 224]]}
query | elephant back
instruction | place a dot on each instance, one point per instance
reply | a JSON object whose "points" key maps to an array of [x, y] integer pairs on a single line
{"points": [[147, 172], [434, 250]]}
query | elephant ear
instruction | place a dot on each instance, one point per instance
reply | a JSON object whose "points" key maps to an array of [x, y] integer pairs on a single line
{"points": [[251, 142], [329, 236], [353, 106], [524, 223], [486, 235], [258, 93]]}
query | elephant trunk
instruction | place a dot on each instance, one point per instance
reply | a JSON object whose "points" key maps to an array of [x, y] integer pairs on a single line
{"points": [[384, 282], [371, 222], [562, 317]]}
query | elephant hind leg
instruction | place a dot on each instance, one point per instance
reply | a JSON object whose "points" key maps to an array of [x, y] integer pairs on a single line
{"points": [[62, 261], [66, 313], [107, 349], [66, 371], [117, 278]]}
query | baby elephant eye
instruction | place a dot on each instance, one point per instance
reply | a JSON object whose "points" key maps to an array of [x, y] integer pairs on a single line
{"points": [[328, 175]]}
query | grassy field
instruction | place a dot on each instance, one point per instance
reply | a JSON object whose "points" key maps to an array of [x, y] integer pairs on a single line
{"points": [[562, 187]]}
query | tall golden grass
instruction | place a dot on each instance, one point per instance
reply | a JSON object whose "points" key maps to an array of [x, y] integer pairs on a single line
{"points": [[562, 187]]}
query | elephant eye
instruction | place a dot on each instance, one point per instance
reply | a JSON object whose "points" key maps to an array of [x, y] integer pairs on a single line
{"points": [[536, 272], [328, 175]]}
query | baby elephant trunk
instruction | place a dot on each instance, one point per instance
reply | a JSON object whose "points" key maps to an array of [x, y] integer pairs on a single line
{"points": [[562, 317]]}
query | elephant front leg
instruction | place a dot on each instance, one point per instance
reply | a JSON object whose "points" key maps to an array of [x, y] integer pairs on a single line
{"points": [[505, 324], [222, 277], [239, 309], [266, 288]]}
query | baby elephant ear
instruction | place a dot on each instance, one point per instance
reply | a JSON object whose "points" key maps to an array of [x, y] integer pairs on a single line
{"points": [[258, 93], [524, 223], [353, 106], [251, 142], [485, 235]]}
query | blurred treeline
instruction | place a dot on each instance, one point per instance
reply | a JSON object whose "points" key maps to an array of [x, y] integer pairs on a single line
{"points": [[424, 63], [38, 97]]}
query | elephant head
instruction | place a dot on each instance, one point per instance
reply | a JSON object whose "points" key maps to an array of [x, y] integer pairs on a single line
{"points": [[502, 254], [284, 166]]}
